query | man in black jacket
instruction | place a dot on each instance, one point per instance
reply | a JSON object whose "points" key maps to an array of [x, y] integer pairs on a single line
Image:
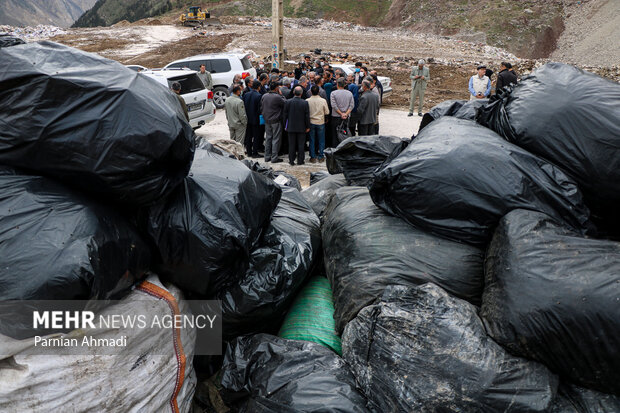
{"points": [[271, 107], [297, 124], [505, 76], [251, 101]]}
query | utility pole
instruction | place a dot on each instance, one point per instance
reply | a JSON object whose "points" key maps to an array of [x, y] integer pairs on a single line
{"points": [[277, 32]]}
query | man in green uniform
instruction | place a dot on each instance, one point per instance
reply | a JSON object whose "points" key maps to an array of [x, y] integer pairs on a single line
{"points": [[420, 76], [235, 115]]}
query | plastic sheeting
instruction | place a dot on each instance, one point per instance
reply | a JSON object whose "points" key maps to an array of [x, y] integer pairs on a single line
{"points": [[457, 179], [278, 267], [206, 230], [311, 318], [574, 399], [570, 117], [91, 123], [552, 296], [318, 176], [420, 350], [360, 156], [263, 373], [56, 244], [8, 41], [366, 250], [155, 374], [445, 108], [319, 194]]}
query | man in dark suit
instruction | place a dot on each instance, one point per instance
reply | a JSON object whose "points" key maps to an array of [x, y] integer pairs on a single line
{"points": [[251, 101], [297, 124]]}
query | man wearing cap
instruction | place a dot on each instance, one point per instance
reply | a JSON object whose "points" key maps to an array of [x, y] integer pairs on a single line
{"points": [[420, 76], [479, 84]]}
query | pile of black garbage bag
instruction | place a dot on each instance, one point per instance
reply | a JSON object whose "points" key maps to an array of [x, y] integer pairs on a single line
{"points": [[100, 182], [467, 271], [523, 183]]}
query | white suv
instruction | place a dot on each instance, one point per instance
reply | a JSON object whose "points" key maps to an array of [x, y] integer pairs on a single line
{"points": [[223, 67], [198, 99]]}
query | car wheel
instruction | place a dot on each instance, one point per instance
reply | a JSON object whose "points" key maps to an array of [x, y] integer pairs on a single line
{"points": [[220, 94]]}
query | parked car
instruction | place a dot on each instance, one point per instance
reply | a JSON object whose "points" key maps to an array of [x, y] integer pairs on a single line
{"points": [[136, 68], [199, 100], [223, 68], [385, 81]]}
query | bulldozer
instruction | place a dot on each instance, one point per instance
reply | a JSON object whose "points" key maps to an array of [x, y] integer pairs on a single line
{"points": [[196, 17]]}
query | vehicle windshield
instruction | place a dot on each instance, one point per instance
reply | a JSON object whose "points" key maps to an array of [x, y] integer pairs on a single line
{"points": [[189, 83]]}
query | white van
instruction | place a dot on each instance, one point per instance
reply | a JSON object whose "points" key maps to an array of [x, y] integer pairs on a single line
{"points": [[198, 99], [223, 67]]}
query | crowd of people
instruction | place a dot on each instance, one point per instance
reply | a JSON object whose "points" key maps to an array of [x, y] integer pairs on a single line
{"points": [[319, 105], [314, 103]]}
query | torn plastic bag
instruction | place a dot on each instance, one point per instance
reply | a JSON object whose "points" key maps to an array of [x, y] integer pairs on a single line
{"points": [[457, 179], [360, 156], [279, 265], [285, 180], [333, 167], [571, 118], [552, 296], [574, 399], [366, 250], [445, 108], [311, 317], [268, 374], [7, 40], [152, 373], [420, 350], [91, 123], [319, 194], [56, 244], [206, 230], [318, 176]]}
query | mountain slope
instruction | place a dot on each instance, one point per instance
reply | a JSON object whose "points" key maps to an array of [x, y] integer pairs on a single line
{"points": [[32, 12], [527, 28]]}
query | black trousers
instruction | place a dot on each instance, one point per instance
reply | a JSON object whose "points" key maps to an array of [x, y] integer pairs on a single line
{"points": [[253, 139], [296, 143], [365, 130], [354, 124]]}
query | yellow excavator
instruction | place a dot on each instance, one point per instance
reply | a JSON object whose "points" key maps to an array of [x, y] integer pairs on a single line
{"points": [[196, 17]]}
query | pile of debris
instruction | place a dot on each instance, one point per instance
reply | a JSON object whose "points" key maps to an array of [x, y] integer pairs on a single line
{"points": [[470, 268], [33, 34]]}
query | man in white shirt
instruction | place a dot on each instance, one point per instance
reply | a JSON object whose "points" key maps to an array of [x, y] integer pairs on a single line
{"points": [[479, 84]]}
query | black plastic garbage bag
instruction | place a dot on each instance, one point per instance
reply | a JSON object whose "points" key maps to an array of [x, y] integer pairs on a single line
{"points": [[91, 123], [420, 350], [457, 179], [445, 108], [206, 230], [570, 117], [319, 194], [552, 296], [366, 250], [360, 156], [469, 109], [333, 167], [574, 399], [7, 40], [318, 176], [56, 244], [264, 373], [278, 267], [285, 180]]}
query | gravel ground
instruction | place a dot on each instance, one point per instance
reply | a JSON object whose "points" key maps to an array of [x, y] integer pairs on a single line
{"points": [[391, 122], [589, 34]]}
